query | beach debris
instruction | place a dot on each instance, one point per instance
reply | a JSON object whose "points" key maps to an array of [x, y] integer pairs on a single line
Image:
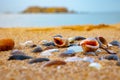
{"points": [[91, 53], [75, 48], [37, 49], [118, 63], [48, 52], [77, 38], [6, 44], [28, 43], [73, 59], [89, 45], [112, 57], [60, 42], [17, 52], [88, 59], [37, 60], [115, 43], [95, 65], [67, 53], [19, 57], [54, 63]]}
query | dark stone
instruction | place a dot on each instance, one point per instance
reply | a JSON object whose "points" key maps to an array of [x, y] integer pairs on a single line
{"points": [[49, 44], [19, 57], [112, 57], [34, 45], [77, 38], [115, 43], [37, 49], [38, 60]]}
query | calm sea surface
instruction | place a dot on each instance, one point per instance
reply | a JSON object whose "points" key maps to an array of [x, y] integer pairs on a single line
{"points": [[47, 20]]}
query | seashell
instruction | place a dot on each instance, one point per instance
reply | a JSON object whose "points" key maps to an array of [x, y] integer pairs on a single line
{"points": [[19, 57], [102, 42], [38, 60], [73, 59], [27, 43], [88, 59], [67, 53], [75, 48], [115, 43], [37, 49], [77, 38], [54, 63], [17, 52], [89, 45], [112, 57], [95, 65], [6, 44], [60, 42]]}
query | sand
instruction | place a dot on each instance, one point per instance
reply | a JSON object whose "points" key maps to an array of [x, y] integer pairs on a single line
{"points": [[21, 70]]}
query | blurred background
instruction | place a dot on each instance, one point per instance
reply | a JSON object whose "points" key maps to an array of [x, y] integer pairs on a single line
{"points": [[47, 13]]}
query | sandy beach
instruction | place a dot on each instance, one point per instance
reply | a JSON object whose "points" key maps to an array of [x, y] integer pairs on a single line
{"points": [[21, 70]]}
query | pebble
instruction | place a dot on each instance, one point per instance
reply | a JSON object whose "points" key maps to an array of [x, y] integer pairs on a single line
{"points": [[73, 59], [38, 60], [115, 43], [71, 40], [37, 49], [112, 57], [58, 35], [48, 52], [19, 57], [77, 38], [17, 52], [54, 63], [6, 44], [49, 44], [88, 59], [95, 65], [67, 53], [75, 48]]}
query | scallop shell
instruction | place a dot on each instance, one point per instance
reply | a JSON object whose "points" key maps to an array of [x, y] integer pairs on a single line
{"points": [[60, 42], [89, 45]]}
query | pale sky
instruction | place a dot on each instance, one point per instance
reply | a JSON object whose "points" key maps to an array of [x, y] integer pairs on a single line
{"points": [[77, 5]]}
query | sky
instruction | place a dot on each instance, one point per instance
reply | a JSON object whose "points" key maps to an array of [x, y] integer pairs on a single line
{"points": [[76, 5]]}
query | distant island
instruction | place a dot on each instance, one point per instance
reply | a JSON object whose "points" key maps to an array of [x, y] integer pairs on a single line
{"points": [[37, 9]]}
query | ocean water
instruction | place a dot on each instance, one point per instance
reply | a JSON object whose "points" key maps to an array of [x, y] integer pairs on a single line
{"points": [[54, 20]]}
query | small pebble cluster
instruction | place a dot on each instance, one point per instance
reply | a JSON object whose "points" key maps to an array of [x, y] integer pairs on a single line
{"points": [[72, 45]]}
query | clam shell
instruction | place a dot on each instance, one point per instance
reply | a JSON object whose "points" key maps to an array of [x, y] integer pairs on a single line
{"points": [[89, 45], [60, 42]]}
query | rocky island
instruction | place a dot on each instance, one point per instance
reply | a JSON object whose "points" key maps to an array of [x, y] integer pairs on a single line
{"points": [[37, 9]]}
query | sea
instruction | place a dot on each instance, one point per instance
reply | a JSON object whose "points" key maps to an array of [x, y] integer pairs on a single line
{"points": [[55, 20]]}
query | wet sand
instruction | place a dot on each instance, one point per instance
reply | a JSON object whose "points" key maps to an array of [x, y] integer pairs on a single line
{"points": [[21, 70]]}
